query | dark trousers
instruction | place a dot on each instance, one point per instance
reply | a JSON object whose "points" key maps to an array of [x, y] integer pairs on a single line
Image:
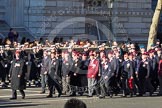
{"points": [[160, 81], [148, 86], [141, 86], [155, 82], [14, 93], [3, 74], [127, 86], [52, 83], [124, 85], [145, 86], [136, 84]]}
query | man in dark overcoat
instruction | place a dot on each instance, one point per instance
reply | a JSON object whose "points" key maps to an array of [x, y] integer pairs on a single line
{"points": [[143, 74], [53, 77], [17, 75]]}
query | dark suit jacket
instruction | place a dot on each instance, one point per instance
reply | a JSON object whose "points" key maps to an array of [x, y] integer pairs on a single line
{"points": [[127, 69], [53, 70], [143, 69], [45, 65], [66, 66], [107, 70]]}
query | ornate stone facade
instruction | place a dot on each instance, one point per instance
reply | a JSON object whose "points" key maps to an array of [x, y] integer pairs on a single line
{"points": [[124, 18]]}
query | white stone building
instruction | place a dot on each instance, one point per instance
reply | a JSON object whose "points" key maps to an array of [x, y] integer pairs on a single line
{"points": [[99, 19]]}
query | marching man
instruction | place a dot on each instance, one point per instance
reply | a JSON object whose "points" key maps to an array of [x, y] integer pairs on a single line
{"points": [[93, 69], [17, 75]]}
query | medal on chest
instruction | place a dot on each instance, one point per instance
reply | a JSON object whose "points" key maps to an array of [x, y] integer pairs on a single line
{"points": [[106, 66], [128, 65], [17, 64], [54, 63], [144, 64]]}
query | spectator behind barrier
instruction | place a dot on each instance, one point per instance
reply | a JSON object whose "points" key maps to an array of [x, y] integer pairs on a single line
{"points": [[75, 103]]}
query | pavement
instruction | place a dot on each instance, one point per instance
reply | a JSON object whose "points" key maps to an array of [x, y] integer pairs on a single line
{"points": [[35, 100]]}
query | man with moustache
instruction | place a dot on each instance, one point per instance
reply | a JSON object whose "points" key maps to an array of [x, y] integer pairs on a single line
{"points": [[17, 75]]}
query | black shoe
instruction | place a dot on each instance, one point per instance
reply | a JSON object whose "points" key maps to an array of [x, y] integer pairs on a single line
{"points": [[150, 94], [101, 97], [49, 96], [81, 94], [111, 95], [159, 94], [42, 92], [89, 96], [29, 85], [131, 95], [59, 95], [13, 98], [124, 95], [36, 85], [72, 94], [139, 95], [4, 86], [23, 97]]}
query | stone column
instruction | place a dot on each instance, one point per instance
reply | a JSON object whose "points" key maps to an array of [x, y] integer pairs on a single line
{"points": [[2, 9], [15, 13]]}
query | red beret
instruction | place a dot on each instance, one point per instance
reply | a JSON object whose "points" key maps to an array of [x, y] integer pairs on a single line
{"points": [[130, 54], [102, 51], [104, 57], [84, 54], [76, 53], [65, 52], [91, 54], [151, 51], [111, 52], [145, 53]]}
